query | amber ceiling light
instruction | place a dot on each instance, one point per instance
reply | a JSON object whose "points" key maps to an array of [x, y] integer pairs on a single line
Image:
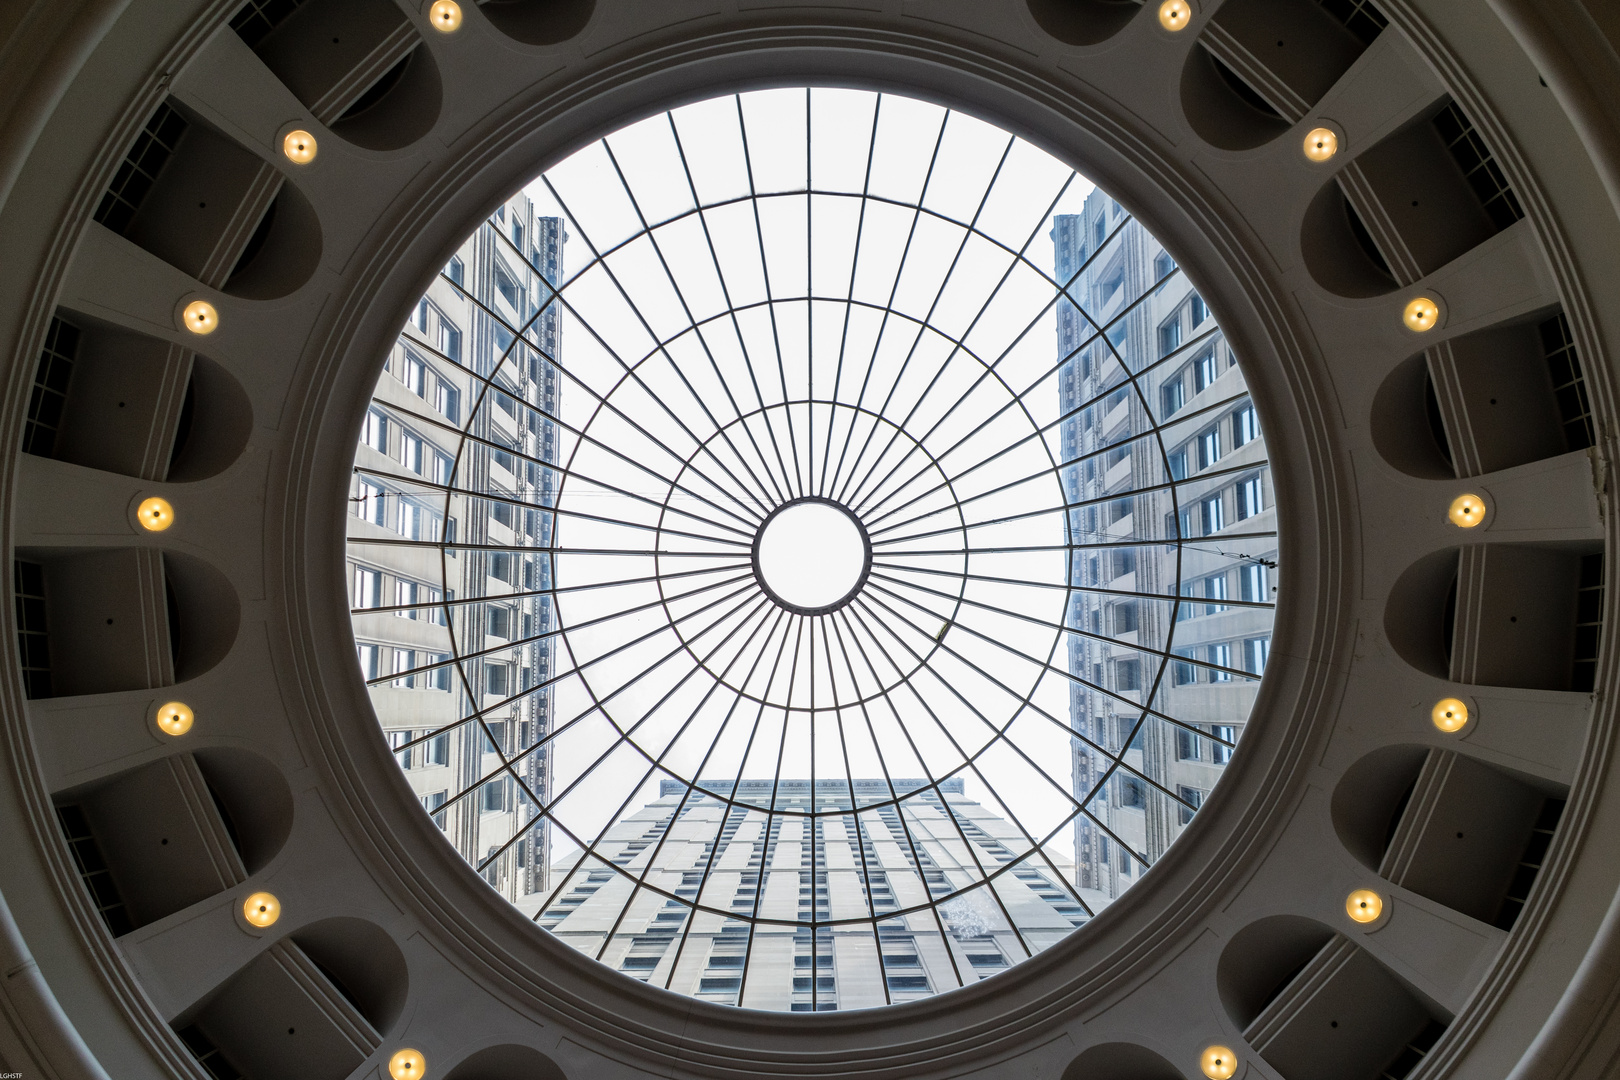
{"points": [[1421, 314], [261, 909], [407, 1064], [1449, 714], [201, 318], [1218, 1063], [1466, 511], [1321, 144], [155, 514], [1364, 906], [175, 718], [1174, 14], [299, 146], [445, 15]]}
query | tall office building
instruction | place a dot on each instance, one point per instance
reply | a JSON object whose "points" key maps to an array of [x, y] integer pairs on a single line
{"points": [[465, 403], [867, 874], [1165, 460]]}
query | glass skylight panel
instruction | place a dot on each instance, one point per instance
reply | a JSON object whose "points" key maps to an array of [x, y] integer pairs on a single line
{"points": [[826, 609]]}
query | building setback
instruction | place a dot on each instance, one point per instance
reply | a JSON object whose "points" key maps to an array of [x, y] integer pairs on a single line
{"points": [[463, 404], [1151, 392]]}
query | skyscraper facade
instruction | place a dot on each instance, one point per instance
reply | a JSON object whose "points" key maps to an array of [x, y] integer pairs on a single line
{"points": [[1175, 563], [466, 402], [788, 911]]}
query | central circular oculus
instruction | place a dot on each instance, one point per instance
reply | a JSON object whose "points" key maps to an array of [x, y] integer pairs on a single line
{"points": [[812, 556]]}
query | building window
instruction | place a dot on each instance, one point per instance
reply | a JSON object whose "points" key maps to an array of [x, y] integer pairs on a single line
{"points": [[405, 593], [1245, 426], [1191, 798], [1132, 792], [367, 588], [455, 271], [1214, 513], [1178, 464], [402, 753], [1255, 653], [1204, 370], [1209, 448], [1215, 590], [1250, 497], [1221, 656], [447, 399], [375, 432], [1186, 745], [1221, 746], [496, 678], [1172, 396], [1163, 266], [411, 452], [1198, 309], [1126, 617], [494, 795], [432, 803], [436, 751], [404, 660], [1170, 335], [370, 661], [414, 375], [509, 289], [1252, 582], [1127, 674], [498, 622]]}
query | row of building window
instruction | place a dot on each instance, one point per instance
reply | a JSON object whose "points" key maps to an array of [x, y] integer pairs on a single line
{"points": [[371, 591], [1248, 655], [378, 661]]}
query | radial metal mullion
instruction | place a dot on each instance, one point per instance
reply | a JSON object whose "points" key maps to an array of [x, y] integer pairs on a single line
{"points": [[888, 311], [990, 370], [650, 233], [1097, 589], [731, 314], [770, 298]]}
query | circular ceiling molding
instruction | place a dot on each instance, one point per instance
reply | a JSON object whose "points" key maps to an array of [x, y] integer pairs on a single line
{"points": [[812, 526]]}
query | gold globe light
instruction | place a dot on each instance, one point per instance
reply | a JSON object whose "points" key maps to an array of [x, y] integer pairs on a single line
{"points": [[407, 1065], [299, 146], [1218, 1063], [1364, 906], [1421, 314], [1466, 511], [1321, 144], [1174, 14], [201, 318], [261, 909], [445, 15], [1449, 714], [175, 718], [155, 514]]}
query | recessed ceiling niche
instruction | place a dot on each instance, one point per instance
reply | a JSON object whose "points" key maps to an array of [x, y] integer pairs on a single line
{"points": [[538, 22], [359, 66], [203, 203], [1261, 65], [1083, 22], [113, 399]]}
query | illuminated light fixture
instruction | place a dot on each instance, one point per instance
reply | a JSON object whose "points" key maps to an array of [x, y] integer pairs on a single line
{"points": [[408, 1064], [155, 514], [261, 909], [1321, 144], [1364, 906], [201, 318], [1218, 1063], [1466, 511], [299, 146], [1421, 314], [445, 15], [1449, 714], [175, 718], [1174, 14]]}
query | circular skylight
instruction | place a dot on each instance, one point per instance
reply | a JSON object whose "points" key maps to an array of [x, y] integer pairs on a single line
{"points": [[811, 550]]}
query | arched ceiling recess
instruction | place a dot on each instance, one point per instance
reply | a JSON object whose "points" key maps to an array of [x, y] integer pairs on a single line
{"points": [[1342, 729]]}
